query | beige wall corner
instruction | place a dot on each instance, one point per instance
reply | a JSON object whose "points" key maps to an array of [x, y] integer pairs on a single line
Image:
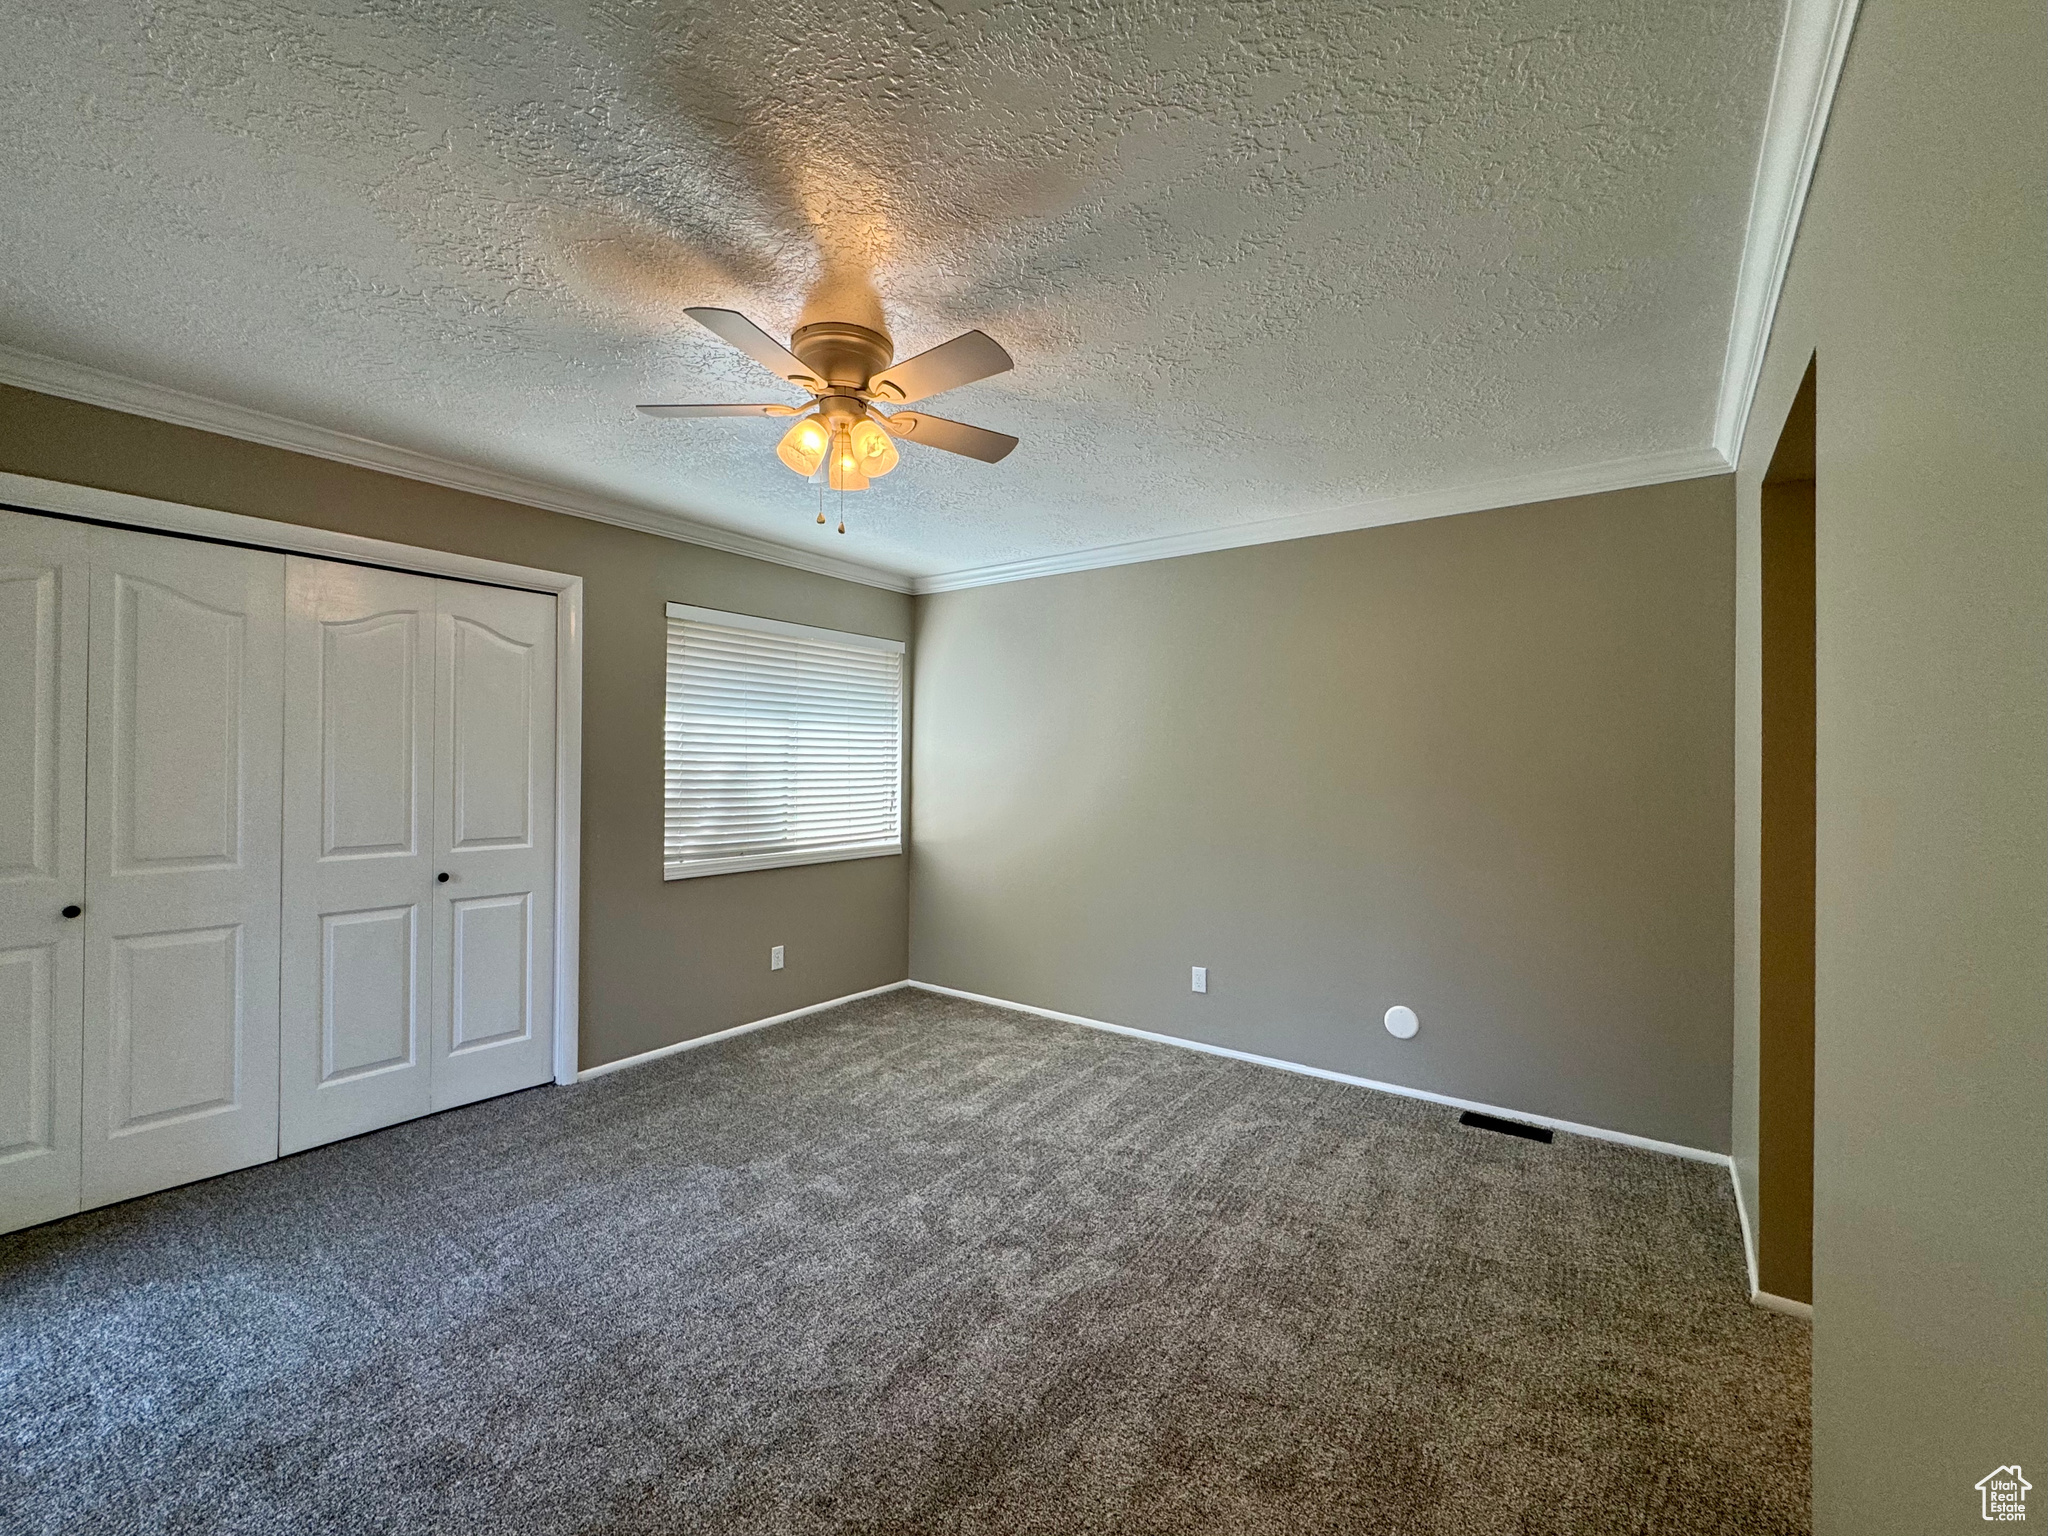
{"points": [[1480, 765]]}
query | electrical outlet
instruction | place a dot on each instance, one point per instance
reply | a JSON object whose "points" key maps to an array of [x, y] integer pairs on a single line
{"points": [[1200, 979], [775, 958]]}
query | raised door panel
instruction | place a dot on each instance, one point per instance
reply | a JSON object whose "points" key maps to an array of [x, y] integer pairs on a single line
{"points": [[29, 813], [371, 672], [358, 816], [369, 1013], [27, 1121], [43, 599], [492, 966], [176, 1027], [494, 818], [183, 798], [177, 738], [493, 690]]}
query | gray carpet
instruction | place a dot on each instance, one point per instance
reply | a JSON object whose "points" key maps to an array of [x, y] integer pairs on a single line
{"points": [[910, 1265]]}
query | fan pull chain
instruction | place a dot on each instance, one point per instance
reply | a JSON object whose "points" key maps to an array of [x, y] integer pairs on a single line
{"points": [[842, 509], [821, 501]]}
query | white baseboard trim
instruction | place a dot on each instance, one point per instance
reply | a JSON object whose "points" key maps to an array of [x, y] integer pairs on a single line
{"points": [[715, 1036], [1569, 1127], [1758, 1296], [1748, 1232]]}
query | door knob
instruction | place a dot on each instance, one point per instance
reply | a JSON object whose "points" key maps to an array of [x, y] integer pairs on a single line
{"points": [[74, 911], [442, 877]]}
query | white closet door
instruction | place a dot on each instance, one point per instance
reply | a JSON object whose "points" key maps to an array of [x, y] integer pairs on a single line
{"points": [[43, 587], [358, 851], [183, 782], [494, 831]]}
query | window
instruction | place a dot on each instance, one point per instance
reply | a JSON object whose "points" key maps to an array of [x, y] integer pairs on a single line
{"points": [[783, 744]]}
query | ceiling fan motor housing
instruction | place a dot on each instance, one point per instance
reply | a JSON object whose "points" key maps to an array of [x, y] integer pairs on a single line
{"points": [[841, 353]]}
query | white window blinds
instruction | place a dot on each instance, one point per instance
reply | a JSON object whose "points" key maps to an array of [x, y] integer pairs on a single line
{"points": [[784, 744]]}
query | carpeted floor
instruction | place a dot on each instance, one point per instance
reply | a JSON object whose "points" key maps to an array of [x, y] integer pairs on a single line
{"points": [[910, 1265]]}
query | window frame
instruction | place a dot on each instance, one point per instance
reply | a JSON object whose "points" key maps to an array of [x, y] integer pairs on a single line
{"points": [[697, 869]]}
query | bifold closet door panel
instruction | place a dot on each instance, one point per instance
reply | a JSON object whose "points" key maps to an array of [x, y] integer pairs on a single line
{"points": [[183, 789], [494, 829], [43, 593], [358, 850]]}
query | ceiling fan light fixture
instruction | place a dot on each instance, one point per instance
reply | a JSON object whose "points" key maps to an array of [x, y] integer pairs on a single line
{"points": [[846, 367], [803, 446], [843, 472], [874, 453]]}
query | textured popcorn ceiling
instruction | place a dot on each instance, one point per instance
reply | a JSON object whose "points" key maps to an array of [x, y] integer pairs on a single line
{"points": [[1252, 259]]}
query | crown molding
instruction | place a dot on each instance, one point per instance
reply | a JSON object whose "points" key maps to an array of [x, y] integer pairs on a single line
{"points": [[1550, 485], [1810, 55], [1809, 67], [136, 397], [75, 381]]}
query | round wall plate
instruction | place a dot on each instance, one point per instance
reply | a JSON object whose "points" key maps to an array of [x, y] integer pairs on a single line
{"points": [[1401, 1022]]}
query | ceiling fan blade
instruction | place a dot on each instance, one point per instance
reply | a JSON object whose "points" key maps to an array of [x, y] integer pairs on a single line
{"points": [[736, 330], [719, 410], [950, 364], [953, 436]]}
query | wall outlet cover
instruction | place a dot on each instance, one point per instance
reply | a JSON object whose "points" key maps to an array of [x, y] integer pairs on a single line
{"points": [[1200, 978], [775, 958]]}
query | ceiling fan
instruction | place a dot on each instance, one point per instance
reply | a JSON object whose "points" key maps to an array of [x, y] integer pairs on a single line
{"points": [[847, 370]]}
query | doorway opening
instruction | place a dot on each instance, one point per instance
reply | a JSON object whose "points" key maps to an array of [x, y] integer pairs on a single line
{"points": [[1786, 920]]}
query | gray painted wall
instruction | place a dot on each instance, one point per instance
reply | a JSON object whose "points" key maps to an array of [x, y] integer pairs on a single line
{"points": [[662, 960], [1918, 280], [1480, 765]]}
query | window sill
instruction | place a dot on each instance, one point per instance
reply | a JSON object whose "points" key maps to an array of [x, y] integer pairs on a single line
{"points": [[700, 867]]}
